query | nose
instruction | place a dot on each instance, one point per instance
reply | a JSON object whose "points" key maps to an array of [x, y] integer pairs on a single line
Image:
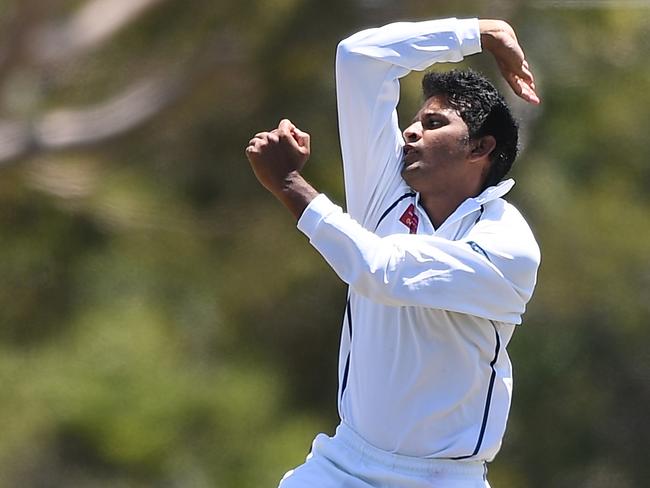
{"points": [[413, 132]]}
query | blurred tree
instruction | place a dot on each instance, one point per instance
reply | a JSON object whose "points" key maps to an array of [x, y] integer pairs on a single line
{"points": [[164, 324]]}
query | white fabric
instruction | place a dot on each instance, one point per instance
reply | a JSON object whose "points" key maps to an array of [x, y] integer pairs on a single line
{"points": [[423, 369], [346, 460], [368, 65]]}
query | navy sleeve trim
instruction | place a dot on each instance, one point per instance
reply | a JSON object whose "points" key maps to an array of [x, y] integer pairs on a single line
{"points": [[475, 247]]}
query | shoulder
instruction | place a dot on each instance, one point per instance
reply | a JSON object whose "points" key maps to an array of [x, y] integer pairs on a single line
{"points": [[507, 240], [502, 215], [503, 227]]}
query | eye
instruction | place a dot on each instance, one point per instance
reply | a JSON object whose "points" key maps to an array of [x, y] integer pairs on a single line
{"points": [[433, 122]]}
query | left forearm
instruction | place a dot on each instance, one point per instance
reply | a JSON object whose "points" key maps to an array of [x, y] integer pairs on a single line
{"points": [[411, 270], [295, 193]]}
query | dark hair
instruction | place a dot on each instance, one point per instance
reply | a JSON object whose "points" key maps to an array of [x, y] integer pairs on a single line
{"points": [[484, 111]]}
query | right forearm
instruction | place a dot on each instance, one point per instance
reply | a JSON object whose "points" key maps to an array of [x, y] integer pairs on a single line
{"points": [[410, 270], [415, 45]]}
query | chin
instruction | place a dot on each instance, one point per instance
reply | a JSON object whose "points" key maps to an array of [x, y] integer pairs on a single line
{"points": [[410, 175]]}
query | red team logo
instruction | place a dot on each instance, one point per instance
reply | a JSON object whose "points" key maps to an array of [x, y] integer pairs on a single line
{"points": [[410, 219]]}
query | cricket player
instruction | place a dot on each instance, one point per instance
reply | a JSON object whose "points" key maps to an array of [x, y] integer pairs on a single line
{"points": [[439, 266]]}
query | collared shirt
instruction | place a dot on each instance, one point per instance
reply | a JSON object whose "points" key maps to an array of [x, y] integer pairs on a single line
{"points": [[423, 369]]}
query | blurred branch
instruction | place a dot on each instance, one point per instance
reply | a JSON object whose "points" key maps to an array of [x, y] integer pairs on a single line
{"points": [[133, 106], [93, 24], [52, 46], [65, 128], [26, 41]]}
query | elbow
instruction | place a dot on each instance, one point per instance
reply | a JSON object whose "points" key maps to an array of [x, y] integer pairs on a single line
{"points": [[345, 51], [353, 45], [525, 280], [343, 48]]}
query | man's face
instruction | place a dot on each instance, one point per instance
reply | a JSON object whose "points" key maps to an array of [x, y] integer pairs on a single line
{"points": [[437, 147]]}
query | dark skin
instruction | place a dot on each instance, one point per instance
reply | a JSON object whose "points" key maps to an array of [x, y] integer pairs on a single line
{"points": [[441, 162]]}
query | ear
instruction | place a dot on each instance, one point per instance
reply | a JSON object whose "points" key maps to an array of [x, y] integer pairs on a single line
{"points": [[481, 148]]}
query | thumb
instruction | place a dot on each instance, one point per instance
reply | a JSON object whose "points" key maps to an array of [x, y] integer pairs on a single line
{"points": [[288, 131], [302, 138], [286, 126]]}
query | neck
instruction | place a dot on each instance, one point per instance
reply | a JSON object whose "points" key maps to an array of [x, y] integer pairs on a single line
{"points": [[440, 205], [438, 210]]}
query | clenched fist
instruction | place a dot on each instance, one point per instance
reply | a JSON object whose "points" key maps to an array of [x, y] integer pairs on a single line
{"points": [[276, 155]]}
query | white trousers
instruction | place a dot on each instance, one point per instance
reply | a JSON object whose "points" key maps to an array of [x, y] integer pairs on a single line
{"points": [[348, 461]]}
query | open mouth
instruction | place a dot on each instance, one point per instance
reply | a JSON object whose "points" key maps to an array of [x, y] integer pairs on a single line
{"points": [[409, 155]]}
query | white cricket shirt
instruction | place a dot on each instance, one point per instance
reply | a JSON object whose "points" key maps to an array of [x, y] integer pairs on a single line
{"points": [[423, 369]]}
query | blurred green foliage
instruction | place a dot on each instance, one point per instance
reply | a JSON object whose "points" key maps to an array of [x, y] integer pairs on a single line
{"points": [[164, 324]]}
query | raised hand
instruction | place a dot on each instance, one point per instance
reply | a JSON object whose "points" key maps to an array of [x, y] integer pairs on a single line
{"points": [[275, 155], [499, 38]]}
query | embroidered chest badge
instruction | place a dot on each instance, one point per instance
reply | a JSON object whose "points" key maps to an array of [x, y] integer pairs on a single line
{"points": [[410, 219]]}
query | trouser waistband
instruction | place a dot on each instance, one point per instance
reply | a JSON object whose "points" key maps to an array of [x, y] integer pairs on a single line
{"points": [[407, 464]]}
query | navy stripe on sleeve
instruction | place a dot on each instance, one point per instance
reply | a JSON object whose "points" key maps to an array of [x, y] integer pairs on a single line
{"points": [[475, 247]]}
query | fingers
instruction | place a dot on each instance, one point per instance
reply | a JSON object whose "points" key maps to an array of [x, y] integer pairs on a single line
{"points": [[525, 81], [295, 136], [527, 88], [286, 132], [286, 126], [521, 80], [257, 143], [526, 74], [523, 89], [302, 138], [259, 138]]}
